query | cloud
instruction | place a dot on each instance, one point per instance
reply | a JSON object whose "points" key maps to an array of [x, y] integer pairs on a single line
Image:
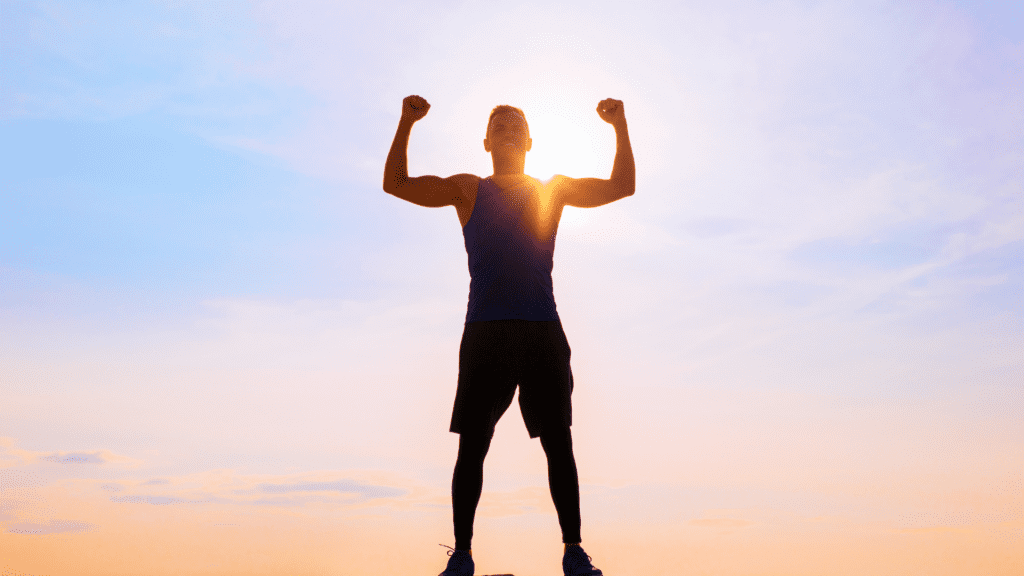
{"points": [[12, 456], [154, 500], [51, 527], [366, 491], [105, 458], [74, 458]]}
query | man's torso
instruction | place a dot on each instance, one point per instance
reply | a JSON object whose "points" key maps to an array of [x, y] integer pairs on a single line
{"points": [[510, 236], [469, 185]]}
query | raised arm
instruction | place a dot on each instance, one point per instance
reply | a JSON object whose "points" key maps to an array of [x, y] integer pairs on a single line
{"points": [[430, 191], [591, 192]]}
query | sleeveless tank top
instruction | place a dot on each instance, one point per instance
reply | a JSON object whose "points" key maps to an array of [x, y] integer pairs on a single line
{"points": [[510, 255]]}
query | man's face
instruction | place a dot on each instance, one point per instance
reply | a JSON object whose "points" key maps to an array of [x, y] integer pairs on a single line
{"points": [[507, 134]]}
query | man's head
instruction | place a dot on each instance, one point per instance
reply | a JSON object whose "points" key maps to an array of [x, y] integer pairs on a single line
{"points": [[507, 131]]}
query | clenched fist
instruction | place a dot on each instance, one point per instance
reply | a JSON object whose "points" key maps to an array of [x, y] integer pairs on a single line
{"points": [[611, 111], [414, 108]]}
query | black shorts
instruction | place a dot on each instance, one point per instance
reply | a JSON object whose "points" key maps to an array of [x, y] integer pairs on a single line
{"points": [[496, 356]]}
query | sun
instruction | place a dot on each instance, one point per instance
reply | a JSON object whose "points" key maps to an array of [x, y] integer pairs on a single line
{"points": [[567, 141], [559, 97], [569, 138]]}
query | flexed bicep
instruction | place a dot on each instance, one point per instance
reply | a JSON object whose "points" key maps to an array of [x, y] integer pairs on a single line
{"points": [[587, 192], [396, 167], [433, 191]]}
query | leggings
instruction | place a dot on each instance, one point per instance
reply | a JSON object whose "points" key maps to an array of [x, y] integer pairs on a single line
{"points": [[468, 480]]}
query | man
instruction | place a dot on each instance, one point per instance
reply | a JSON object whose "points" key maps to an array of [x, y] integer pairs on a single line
{"points": [[513, 335]]}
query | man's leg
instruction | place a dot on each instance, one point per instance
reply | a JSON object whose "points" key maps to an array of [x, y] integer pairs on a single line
{"points": [[468, 482], [564, 481]]}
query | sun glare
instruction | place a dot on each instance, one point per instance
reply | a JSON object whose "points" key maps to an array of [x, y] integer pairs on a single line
{"points": [[566, 141], [569, 138]]}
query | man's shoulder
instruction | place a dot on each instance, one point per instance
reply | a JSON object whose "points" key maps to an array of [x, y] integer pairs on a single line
{"points": [[466, 182], [558, 184], [465, 178]]}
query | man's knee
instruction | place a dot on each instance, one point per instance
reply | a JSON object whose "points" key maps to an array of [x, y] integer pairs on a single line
{"points": [[475, 443], [556, 440]]}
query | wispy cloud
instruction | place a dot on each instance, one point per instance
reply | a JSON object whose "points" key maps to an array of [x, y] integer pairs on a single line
{"points": [[74, 458], [155, 500], [12, 455], [366, 492], [50, 527]]}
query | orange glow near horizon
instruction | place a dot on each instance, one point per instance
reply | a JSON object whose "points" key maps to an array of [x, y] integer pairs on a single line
{"points": [[221, 539]]}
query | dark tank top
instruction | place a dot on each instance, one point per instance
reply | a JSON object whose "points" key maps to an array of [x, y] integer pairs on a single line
{"points": [[510, 255]]}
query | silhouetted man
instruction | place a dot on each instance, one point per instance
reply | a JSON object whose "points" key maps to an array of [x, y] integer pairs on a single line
{"points": [[513, 336]]}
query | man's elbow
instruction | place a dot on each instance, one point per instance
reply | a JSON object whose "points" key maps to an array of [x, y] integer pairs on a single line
{"points": [[623, 186], [391, 186]]}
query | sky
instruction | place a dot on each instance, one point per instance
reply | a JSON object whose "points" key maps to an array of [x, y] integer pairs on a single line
{"points": [[796, 348]]}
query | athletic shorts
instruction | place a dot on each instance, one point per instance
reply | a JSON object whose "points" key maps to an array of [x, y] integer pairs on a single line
{"points": [[496, 356]]}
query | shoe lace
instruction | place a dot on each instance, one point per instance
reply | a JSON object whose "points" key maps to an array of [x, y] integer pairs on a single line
{"points": [[589, 559], [450, 549]]}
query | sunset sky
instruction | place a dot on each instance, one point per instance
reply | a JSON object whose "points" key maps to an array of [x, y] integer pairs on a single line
{"points": [[798, 349]]}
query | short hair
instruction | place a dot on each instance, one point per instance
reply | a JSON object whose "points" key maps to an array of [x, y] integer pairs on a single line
{"points": [[506, 108]]}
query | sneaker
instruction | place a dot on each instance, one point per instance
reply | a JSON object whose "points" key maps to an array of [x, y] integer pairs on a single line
{"points": [[460, 563], [575, 562]]}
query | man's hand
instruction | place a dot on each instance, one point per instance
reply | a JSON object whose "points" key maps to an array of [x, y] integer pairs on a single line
{"points": [[414, 108], [611, 111]]}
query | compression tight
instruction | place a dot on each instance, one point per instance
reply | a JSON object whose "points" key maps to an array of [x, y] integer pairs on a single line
{"points": [[468, 480]]}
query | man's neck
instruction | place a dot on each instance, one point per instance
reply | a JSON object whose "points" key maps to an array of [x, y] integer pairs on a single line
{"points": [[508, 167], [512, 181]]}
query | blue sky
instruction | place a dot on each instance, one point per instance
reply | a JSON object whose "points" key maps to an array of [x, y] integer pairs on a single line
{"points": [[812, 299]]}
